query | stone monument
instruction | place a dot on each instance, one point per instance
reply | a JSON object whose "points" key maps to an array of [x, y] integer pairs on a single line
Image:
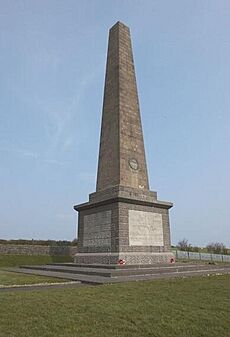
{"points": [[123, 221]]}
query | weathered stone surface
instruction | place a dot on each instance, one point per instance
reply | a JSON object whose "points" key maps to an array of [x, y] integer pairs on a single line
{"points": [[97, 229], [121, 141], [145, 229], [139, 258]]}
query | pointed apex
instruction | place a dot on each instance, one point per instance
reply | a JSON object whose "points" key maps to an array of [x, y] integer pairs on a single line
{"points": [[119, 24]]}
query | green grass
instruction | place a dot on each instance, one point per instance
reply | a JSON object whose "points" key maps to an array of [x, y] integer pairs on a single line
{"points": [[192, 307], [10, 278], [17, 260]]}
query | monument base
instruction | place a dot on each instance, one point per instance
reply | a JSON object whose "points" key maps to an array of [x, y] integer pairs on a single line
{"points": [[123, 223], [130, 258]]}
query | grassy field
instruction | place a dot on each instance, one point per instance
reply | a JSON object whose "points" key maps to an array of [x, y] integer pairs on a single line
{"points": [[9, 278], [17, 260], [192, 307]]}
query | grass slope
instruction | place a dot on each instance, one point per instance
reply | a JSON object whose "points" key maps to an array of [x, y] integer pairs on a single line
{"points": [[17, 260], [9, 278], [192, 307]]}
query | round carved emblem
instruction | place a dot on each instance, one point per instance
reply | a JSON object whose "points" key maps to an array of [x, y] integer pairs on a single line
{"points": [[133, 163]]}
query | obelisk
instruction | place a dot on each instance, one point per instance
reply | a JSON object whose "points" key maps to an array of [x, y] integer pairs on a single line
{"points": [[123, 222]]}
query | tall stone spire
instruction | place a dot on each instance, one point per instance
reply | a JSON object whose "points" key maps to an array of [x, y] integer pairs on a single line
{"points": [[122, 154], [123, 220]]}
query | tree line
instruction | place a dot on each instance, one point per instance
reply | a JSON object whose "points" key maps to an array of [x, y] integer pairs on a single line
{"points": [[212, 247]]}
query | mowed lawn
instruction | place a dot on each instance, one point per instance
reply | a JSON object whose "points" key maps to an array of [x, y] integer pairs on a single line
{"points": [[11, 279], [18, 260], [198, 307]]}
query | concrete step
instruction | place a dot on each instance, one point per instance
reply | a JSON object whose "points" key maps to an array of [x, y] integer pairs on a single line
{"points": [[70, 269], [110, 266], [98, 279], [105, 272], [94, 280]]}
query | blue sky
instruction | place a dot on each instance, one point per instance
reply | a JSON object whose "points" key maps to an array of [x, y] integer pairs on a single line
{"points": [[52, 65]]}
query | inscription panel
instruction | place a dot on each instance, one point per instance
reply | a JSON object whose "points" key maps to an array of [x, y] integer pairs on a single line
{"points": [[145, 229], [97, 229]]}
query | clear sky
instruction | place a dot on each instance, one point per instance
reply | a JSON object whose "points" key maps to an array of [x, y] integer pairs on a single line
{"points": [[52, 65]]}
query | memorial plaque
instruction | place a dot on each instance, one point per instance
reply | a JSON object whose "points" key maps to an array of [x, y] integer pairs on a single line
{"points": [[145, 229]]}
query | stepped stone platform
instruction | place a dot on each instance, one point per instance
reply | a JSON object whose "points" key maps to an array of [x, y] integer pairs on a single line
{"points": [[105, 274]]}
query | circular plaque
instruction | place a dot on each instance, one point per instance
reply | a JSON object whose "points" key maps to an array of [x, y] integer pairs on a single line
{"points": [[133, 163]]}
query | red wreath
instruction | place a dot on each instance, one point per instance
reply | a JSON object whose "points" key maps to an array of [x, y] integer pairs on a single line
{"points": [[121, 261]]}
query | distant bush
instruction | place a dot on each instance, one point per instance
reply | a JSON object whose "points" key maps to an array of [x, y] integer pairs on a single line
{"points": [[213, 247], [184, 245], [216, 248], [195, 249]]}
